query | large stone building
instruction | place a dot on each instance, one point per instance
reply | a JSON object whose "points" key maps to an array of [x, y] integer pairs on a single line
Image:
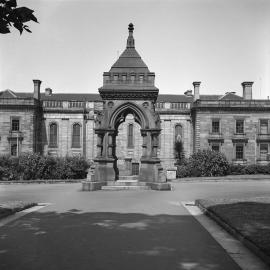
{"points": [[64, 124]]}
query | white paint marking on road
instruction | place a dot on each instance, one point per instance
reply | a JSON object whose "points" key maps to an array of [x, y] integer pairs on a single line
{"points": [[22, 213], [238, 252]]}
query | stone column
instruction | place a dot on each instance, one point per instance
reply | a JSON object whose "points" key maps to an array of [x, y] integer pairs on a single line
{"points": [[144, 145], [99, 145], [154, 145], [110, 145]]}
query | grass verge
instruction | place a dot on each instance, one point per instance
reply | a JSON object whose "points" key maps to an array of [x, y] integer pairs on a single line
{"points": [[11, 207], [247, 219]]}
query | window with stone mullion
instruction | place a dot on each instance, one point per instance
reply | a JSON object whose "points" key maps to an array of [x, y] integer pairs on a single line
{"points": [[264, 126], [215, 126], [263, 151], [15, 125], [239, 126], [215, 147], [239, 151]]}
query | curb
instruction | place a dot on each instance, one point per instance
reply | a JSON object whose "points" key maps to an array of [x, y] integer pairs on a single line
{"points": [[14, 211], [231, 178], [238, 235], [41, 181]]}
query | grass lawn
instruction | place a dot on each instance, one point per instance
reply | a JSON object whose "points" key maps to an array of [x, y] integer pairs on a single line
{"points": [[11, 207], [249, 217]]}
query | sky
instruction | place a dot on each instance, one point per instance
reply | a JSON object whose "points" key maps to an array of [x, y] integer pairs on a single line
{"points": [[218, 42]]}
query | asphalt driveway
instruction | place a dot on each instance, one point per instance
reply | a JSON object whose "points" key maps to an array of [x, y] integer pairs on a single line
{"points": [[115, 229]]}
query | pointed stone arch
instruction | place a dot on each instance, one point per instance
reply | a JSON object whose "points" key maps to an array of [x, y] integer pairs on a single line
{"points": [[107, 123], [119, 114]]}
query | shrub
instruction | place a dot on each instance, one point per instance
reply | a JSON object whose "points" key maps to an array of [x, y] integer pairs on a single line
{"points": [[236, 169], [9, 168], [78, 167], [183, 171], [263, 169], [30, 166], [49, 169], [204, 163], [208, 163]]}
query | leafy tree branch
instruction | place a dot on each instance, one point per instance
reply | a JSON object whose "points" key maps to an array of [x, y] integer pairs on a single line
{"points": [[13, 16]]}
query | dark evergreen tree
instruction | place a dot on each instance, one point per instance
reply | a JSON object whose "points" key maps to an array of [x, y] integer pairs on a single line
{"points": [[179, 151]]}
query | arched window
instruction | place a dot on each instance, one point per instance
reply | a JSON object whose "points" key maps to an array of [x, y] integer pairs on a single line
{"points": [[53, 135], [130, 136], [178, 133], [76, 136]]}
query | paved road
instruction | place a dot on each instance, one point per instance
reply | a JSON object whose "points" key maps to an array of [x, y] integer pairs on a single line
{"points": [[115, 230]]}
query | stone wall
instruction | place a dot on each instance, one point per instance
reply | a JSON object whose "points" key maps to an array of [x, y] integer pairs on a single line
{"points": [[167, 137], [64, 123], [27, 118], [228, 137]]}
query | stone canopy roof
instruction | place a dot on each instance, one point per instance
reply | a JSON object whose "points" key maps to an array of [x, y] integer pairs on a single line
{"points": [[130, 60]]}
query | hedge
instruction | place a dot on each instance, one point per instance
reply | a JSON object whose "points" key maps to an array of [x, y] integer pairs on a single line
{"points": [[30, 166], [249, 169], [213, 163]]}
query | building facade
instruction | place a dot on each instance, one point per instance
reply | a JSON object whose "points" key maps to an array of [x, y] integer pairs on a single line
{"points": [[64, 124]]}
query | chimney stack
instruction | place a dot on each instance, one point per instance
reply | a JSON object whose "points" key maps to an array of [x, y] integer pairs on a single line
{"points": [[37, 84], [247, 90], [196, 90], [48, 92]]}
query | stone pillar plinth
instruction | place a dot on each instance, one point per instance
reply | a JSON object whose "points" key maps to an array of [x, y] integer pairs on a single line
{"points": [[90, 184], [151, 171], [104, 170], [171, 173]]}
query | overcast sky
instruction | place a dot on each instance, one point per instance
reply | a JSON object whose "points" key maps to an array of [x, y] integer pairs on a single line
{"points": [[218, 42]]}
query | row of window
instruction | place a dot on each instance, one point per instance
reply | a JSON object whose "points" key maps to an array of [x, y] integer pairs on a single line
{"points": [[239, 126], [59, 104], [173, 105], [179, 105], [76, 136], [239, 150], [52, 104]]}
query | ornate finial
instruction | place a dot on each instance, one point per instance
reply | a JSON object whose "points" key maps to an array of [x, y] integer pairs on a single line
{"points": [[130, 40], [131, 27]]}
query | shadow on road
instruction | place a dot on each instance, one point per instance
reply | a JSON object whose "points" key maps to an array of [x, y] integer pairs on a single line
{"points": [[105, 240]]}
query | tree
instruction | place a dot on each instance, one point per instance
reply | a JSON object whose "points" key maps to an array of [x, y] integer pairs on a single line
{"points": [[179, 150], [11, 15]]}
